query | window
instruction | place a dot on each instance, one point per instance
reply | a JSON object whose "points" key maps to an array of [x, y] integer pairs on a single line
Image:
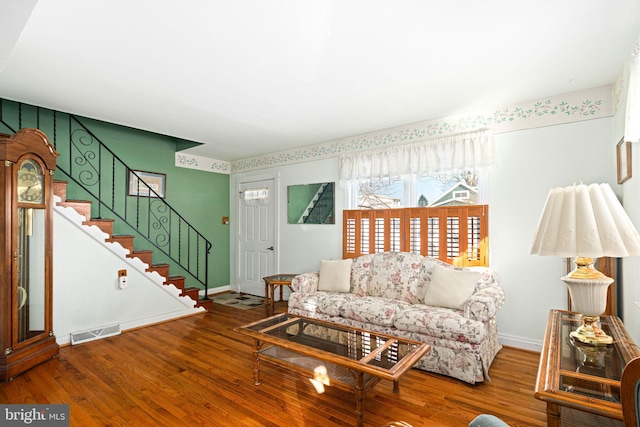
{"points": [[254, 196], [443, 190], [398, 205], [433, 216], [461, 195], [381, 194]]}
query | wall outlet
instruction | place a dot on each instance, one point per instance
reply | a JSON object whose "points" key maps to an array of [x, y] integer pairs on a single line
{"points": [[122, 279]]}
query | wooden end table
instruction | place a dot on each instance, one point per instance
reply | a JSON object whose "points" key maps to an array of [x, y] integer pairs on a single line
{"points": [[581, 383], [270, 283]]}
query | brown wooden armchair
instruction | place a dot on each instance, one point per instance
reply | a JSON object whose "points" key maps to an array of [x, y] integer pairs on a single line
{"points": [[630, 393]]}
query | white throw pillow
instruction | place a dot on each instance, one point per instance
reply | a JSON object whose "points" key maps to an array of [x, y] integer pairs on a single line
{"points": [[450, 288], [335, 275]]}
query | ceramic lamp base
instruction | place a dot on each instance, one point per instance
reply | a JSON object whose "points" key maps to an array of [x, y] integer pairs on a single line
{"points": [[590, 333], [588, 289]]}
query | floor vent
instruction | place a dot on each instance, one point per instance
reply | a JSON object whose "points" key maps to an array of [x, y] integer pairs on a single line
{"points": [[94, 334]]}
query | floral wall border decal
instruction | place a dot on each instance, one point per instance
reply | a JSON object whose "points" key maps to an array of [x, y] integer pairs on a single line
{"points": [[572, 107], [191, 161]]}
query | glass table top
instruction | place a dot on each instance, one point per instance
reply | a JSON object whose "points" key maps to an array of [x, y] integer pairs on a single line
{"points": [[592, 371], [279, 278], [366, 347]]}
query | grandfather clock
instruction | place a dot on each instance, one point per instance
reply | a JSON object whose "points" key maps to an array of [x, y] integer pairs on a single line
{"points": [[26, 265]]}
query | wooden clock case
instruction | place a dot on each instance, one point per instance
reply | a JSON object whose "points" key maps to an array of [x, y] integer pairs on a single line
{"points": [[26, 253]]}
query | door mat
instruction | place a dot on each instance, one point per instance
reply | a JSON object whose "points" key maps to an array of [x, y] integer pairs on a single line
{"points": [[241, 301]]}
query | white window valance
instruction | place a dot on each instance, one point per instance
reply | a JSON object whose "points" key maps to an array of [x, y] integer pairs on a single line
{"points": [[463, 152], [632, 119]]}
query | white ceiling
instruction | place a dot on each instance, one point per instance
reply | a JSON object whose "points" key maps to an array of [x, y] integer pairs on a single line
{"points": [[250, 77]]}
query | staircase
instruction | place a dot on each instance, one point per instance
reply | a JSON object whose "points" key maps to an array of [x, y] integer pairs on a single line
{"points": [[100, 178], [83, 208]]}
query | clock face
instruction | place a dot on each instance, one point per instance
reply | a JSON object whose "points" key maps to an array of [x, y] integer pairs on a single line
{"points": [[30, 182]]}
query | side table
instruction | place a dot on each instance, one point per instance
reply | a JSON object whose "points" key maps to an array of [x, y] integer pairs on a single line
{"points": [[270, 283], [581, 383]]}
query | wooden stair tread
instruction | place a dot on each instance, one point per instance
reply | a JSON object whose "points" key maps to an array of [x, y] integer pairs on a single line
{"points": [[206, 303], [119, 238], [83, 207], [177, 281], [104, 224], [77, 201], [191, 291], [161, 269], [145, 255], [60, 189], [124, 240], [116, 237]]}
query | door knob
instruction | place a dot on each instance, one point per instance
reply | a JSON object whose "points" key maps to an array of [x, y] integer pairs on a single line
{"points": [[270, 249]]}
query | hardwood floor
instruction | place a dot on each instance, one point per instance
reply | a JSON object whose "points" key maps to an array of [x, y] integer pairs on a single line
{"points": [[197, 371]]}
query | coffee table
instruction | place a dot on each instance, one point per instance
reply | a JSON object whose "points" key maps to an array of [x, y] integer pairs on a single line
{"points": [[331, 354]]}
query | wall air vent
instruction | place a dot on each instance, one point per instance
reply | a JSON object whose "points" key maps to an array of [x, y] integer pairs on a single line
{"points": [[94, 334]]}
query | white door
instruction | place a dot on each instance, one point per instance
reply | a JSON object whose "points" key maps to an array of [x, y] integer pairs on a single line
{"points": [[256, 248]]}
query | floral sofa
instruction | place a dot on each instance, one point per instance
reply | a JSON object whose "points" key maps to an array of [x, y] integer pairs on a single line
{"points": [[411, 296]]}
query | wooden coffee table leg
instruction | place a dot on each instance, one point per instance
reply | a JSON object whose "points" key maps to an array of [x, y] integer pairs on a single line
{"points": [[256, 362], [553, 415], [359, 399]]}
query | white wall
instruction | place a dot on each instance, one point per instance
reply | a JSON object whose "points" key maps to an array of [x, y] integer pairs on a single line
{"points": [[631, 265], [529, 164], [299, 246], [630, 269], [303, 245]]}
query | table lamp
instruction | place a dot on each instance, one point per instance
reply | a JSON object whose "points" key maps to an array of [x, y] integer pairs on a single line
{"points": [[586, 222]]}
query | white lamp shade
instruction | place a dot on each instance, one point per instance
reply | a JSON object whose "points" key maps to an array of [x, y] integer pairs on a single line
{"points": [[585, 221]]}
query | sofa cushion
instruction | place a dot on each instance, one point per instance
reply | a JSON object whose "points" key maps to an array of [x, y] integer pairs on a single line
{"points": [[440, 323], [379, 311], [329, 303], [396, 276], [450, 288], [335, 275], [361, 274], [306, 282]]}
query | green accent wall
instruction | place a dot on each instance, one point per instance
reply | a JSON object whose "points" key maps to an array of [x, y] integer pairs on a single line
{"points": [[201, 198]]}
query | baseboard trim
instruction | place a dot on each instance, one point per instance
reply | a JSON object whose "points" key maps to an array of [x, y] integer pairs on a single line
{"points": [[520, 342], [140, 323], [217, 290]]}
